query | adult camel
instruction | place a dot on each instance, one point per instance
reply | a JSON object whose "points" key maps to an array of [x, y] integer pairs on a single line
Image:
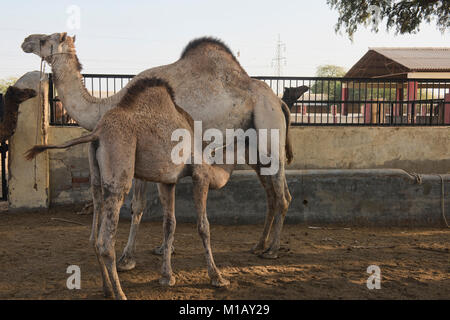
{"points": [[212, 87]]}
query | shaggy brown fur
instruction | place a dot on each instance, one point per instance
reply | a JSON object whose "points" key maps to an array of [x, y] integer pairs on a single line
{"points": [[13, 98], [196, 43], [192, 45], [133, 93]]}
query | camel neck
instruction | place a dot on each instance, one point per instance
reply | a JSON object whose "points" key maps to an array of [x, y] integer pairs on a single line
{"points": [[79, 103]]}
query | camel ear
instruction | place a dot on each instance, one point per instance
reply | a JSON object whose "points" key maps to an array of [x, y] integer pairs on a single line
{"points": [[73, 38], [63, 37]]}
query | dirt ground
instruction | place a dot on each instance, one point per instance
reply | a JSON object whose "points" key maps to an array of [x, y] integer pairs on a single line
{"points": [[35, 251]]}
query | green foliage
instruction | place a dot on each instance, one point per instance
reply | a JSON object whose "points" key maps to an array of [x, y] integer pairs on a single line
{"points": [[329, 70], [331, 88], [404, 16], [5, 83]]}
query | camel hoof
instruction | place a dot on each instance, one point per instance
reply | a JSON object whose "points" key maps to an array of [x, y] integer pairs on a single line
{"points": [[167, 282], [126, 264], [257, 249], [108, 293], [220, 282], [269, 255], [121, 296], [159, 251]]}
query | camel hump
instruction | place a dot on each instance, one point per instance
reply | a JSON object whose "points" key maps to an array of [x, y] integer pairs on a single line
{"points": [[140, 86], [197, 43]]}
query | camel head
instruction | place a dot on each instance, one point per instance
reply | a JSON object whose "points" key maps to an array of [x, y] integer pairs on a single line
{"points": [[46, 46], [19, 95], [290, 95]]}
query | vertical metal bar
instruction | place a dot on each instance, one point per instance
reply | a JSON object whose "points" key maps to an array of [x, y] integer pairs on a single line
{"points": [[51, 98], [321, 99], [4, 148]]}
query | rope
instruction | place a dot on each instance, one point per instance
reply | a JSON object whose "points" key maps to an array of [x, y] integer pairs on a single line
{"points": [[418, 178], [442, 200], [41, 103], [41, 106]]}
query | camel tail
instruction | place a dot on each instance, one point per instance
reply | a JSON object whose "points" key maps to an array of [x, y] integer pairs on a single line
{"points": [[287, 116], [33, 152]]}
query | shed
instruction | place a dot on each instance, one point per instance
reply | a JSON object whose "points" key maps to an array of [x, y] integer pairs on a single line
{"points": [[403, 63]]}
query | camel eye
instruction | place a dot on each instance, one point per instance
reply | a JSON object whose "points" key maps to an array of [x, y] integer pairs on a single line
{"points": [[42, 41]]}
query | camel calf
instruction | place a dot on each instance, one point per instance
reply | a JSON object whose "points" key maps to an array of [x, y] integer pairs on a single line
{"points": [[134, 140]]}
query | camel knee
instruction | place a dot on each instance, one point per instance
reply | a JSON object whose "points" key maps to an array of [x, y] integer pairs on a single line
{"points": [[282, 204], [104, 249], [169, 225], [137, 206], [203, 228]]}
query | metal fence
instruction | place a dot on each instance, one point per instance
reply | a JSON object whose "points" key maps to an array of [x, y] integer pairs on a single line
{"points": [[329, 101]]}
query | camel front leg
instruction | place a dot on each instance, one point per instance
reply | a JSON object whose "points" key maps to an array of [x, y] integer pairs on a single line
{"points": [[106, 238], [200, 189], [167, 196], [127, 261]]}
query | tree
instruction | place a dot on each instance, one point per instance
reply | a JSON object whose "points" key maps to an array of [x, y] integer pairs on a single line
{"points": [[5, 83], [404, 16], [331, 88], [329, 70]]}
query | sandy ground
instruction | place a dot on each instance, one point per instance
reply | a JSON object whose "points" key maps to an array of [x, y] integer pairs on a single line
{"points": [[35, 252]]}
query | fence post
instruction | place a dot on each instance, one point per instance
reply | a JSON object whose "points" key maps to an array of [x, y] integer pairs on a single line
{"points": [[446, 106], [344, 98], [398, 97], [367, 113], [412, 95]]}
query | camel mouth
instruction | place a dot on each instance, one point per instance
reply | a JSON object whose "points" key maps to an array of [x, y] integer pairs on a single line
{"points": [[27, 47]]}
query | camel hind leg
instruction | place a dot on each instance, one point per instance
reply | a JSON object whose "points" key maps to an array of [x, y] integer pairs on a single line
{"points": [[266, 182], [167, 196], [97, 207], [282, 199], [268, 115], [127, 260], [200, 190]]}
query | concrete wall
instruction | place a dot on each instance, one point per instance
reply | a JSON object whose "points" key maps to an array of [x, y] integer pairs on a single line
{"points": [[414, 149], [377, 197], [69, 169]]}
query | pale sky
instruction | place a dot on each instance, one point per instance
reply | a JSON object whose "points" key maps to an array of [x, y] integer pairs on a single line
{"points": [[130, 36]]}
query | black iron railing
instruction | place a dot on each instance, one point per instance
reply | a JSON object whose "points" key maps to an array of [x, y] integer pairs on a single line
{"points": [[329, 101]]}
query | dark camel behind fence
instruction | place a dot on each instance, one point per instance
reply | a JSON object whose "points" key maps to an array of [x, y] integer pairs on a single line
{"points": [[13, 98]]}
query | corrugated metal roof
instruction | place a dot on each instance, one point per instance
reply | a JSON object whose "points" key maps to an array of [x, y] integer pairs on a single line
{"points": [[418, 59]]}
